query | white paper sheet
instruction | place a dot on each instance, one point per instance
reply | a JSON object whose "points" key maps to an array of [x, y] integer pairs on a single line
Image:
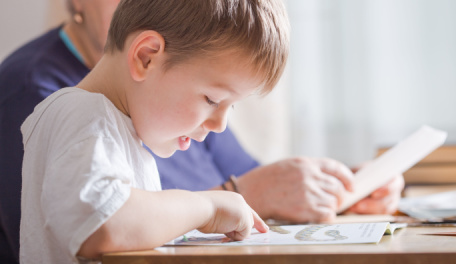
{"points": [[429, 207], [321, 234], [396, 160]]}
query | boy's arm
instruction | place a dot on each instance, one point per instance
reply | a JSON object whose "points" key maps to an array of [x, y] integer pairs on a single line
{"points": [[150, 219]]}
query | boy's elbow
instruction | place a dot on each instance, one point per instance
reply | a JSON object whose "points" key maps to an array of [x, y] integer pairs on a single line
{"points": [[97, 244], [105, 240], [123, 231]]}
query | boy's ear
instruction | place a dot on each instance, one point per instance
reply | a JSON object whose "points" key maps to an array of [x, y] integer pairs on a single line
{"points": [[146, 50]]}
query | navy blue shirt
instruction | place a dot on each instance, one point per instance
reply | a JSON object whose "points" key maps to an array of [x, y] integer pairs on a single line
{"points": [[45, 65]]}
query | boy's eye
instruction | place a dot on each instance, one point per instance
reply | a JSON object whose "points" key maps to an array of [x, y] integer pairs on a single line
{"points": [[211, 103]]}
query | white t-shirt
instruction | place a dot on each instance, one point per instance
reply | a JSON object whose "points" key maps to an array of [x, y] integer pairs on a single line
{"points": [[82, 156]]}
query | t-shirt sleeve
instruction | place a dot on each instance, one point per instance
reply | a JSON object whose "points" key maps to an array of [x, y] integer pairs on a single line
{"points": [[229, 156], [94, 180]]}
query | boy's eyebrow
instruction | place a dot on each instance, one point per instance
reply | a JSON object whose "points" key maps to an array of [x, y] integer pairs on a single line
{"points": [[222, 86]]}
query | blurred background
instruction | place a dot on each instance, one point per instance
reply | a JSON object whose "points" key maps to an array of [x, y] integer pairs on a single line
{"points": [[362, 74]]}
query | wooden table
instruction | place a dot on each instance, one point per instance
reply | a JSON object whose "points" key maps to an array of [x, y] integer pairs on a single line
{"points": [[408, 245]]}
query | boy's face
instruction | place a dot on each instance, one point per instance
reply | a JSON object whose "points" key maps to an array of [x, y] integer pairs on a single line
{"points": [[188, 101]]}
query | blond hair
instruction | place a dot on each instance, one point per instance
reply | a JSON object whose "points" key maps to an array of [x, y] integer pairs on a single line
{"points": [[258, 29]]}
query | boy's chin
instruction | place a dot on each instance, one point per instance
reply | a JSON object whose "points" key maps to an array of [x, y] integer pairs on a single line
{"points": [[164, 154]]}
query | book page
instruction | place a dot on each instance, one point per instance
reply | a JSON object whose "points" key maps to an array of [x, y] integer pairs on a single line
{"points": [[321, 234], [395, 161]]}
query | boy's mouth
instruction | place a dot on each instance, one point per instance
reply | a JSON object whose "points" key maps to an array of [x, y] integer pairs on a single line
{"points": [[184, 143]]}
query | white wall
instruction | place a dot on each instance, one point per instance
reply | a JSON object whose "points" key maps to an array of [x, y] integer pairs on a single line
{"points": [[262, 124], [366, 74], [412, 47], [22, 20]]}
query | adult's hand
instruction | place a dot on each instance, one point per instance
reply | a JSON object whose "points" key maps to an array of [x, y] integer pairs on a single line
{"points": [[297, 189], [384, 200]]}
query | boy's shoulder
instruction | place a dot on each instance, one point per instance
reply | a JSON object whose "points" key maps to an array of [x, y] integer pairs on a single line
{"points": [[72, 100], [67, 107], [69, 97]]}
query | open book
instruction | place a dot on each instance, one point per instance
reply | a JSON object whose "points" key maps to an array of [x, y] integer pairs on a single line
{"points": [[396, 160], [320, 234]]}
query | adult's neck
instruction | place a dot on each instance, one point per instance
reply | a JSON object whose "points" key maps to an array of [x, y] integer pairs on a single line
{"points": [[78, 35]]}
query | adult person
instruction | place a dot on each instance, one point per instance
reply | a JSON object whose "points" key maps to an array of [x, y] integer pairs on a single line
{"points": [[299, 189]]}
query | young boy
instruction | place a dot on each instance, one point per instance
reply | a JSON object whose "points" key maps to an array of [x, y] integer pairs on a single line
{"points": [[171, 72]]}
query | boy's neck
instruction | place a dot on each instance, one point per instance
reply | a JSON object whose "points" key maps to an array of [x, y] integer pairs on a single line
{"points": [[108, 79]]}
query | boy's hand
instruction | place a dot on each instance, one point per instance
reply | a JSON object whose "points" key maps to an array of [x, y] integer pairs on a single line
{"points": [[231, 216]]}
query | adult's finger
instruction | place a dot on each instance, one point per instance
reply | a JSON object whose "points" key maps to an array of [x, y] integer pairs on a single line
{"points": [[337, 169]]}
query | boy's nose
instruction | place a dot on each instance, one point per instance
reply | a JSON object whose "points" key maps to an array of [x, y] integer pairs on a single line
{"points": [[217, 123]]}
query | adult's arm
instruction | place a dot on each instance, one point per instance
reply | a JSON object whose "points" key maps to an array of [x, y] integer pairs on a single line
{"points": [[310, 190], [13, 111], [297, 189], [228, 155], [27, 76]]}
